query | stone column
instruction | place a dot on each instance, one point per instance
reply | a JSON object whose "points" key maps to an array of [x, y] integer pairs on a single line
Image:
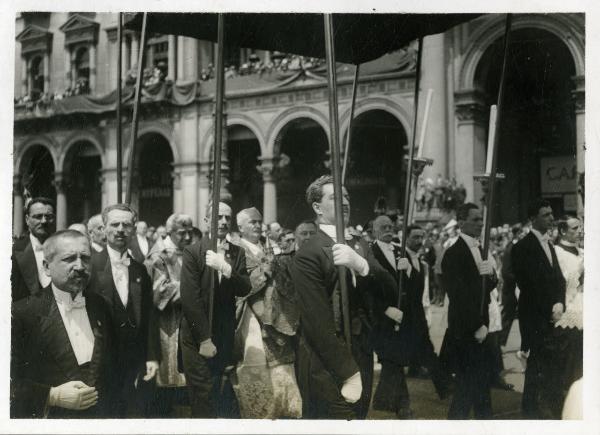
{"points": [[172, 67], [191, 59], [203, 193], [61, 201], [46, 63], [579, 99], [180, 57], [188, 176], [124, 58], [73, 67], [68, 83], [109, 186], [29, 78], [135, 50], [24, 77], [92, 55], [177, 191], [267, 167], [471, 141], [17, 205]]}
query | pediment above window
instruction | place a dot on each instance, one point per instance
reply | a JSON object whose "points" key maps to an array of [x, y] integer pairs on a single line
{"points": [[80, 29], [34, 39]]}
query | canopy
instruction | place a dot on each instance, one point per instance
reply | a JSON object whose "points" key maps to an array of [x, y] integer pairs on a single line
{"points": [[358, 38]]}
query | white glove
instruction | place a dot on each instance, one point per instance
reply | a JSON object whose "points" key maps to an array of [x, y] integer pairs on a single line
{"points": [[344, 255], [207, 349], [486, 268], [403, 264], [73, 395], [394, 313], [481, 333], [352, 388], [557, 311], [151, 369], [217, 262]]}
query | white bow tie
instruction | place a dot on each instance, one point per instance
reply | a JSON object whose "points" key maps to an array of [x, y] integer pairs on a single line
{"points": [[126, 261], [73, 304]]}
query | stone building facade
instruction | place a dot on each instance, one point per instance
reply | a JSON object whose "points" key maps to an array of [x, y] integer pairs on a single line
{"points": [[277, 123]]}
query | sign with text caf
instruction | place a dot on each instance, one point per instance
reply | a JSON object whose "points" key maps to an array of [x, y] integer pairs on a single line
{"points": [[558, 174]]}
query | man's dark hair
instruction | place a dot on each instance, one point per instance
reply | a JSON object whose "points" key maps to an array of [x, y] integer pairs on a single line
{"points": [[314, 192], [40, 200], [123, 207], [534, 207], [306, 222], [463, 211], [563, 225], [411, 228]]}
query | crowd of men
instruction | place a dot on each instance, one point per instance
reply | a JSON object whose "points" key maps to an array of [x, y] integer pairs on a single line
{"points": [[112, 318]]}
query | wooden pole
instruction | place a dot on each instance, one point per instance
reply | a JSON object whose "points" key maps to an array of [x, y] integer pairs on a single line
{"points": [[217, 149], [136, 109], [118, 115], [336, 167], [492, 175], [349, 134], [409, 171]]}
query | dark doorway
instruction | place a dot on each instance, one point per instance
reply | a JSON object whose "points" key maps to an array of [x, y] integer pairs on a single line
{"points": [[245, 182], [84, 190]]}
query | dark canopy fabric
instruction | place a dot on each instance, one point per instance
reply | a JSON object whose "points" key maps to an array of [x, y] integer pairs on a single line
{"points": [[359, 38]]}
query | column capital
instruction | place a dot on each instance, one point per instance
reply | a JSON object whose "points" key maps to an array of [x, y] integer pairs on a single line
{"points": [[17, 185], [267, 168], [60, 182], [470, 106]]}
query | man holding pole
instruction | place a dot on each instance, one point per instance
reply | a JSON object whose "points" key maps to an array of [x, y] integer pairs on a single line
{"points": [[462, 273], [335, 378], [207, 349]]}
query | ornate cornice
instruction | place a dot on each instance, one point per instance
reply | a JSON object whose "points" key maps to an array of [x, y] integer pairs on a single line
{"points": [[470, 106], [35, 39], [79, 29]]}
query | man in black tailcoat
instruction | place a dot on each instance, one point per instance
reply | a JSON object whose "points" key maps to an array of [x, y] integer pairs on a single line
{"points": [[397, 348], [468, 319], [61, 339], [541, 303], [206, 356], [125, 286], [335, 382], [27, 274]]}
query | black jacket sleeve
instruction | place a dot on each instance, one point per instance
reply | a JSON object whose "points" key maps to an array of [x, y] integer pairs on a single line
{"points": [[194, 293]]}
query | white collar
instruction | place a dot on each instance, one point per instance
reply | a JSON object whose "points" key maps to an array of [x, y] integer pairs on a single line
{"points": [[115, 255], [471, 242], [254, 248], [331, 231], [412, 253], [570, 244], [63, 296], [385, 245], [543, 238], [35, 242]]}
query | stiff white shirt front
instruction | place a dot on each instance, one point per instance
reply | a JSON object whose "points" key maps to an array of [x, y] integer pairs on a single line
{"points": [[120, 273], [39, 258], [76, 321], [543, 239]]}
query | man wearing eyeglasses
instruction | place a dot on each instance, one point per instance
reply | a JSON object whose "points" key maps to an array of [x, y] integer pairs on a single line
{"points": [[27, 275]]}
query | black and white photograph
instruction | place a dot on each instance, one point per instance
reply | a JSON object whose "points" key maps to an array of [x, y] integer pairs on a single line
{"points": [[250, 215]]}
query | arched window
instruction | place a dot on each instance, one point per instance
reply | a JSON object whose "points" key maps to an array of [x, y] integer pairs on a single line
{"points": [[37, 77], [82, 70]]}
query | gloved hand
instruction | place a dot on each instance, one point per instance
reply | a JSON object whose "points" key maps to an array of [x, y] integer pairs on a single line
{"points": [[481, 333], [352, 388], [73, 395], [151, 369], [403, 264], [344, 255], [207, 349], [557, 311], [394, 313], [486, 268], [217, 262]]}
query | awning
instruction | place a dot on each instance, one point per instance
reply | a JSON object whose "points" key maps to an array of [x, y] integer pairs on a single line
{"points": [[359, 38]]}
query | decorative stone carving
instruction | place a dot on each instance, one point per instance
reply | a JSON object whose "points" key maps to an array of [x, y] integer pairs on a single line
{"points": [[470, 106], [35, 39], [79, 29]]}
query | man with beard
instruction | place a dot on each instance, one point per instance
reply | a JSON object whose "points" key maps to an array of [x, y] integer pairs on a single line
{"points": [[396, 349], [95, 228], [60, 359], [335, 382], [541, 304], [27, 274], [164, 261], [462, 272], [126, 287], [206, 356]]}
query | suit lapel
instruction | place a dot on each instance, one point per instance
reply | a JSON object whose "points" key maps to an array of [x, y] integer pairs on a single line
{"points": [[97, 327], [28, 266], [135, 292], [382, 259], [541, 251], [54, 336]]}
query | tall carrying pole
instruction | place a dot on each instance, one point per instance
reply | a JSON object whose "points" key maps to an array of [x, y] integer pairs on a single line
{"points": [[349, 134], [217, 148], [409, 171], [136, 108], [119, 126], [335, 166], [492, 172]]}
